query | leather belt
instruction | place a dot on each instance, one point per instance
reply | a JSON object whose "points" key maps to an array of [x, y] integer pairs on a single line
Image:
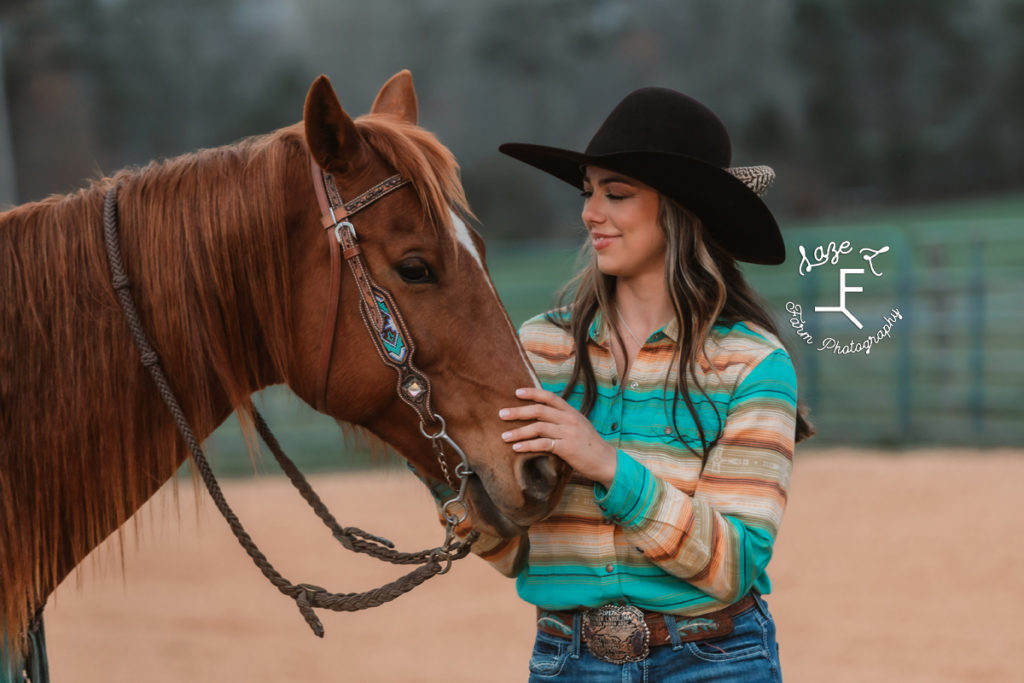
{"points": [[624, 633]]}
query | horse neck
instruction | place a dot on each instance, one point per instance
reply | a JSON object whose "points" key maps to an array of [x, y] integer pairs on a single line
{"points": [[208, 275], [208, 235]]}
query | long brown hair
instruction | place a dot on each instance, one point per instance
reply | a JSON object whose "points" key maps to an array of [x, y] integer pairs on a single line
{"points": [[706, 287]]}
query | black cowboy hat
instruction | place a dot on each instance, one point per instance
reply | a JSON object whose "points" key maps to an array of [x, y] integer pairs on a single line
{"points": [[676, 145]]}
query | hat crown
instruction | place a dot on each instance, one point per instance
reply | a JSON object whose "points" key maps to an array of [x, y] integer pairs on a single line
{"points": [[664, 121]]}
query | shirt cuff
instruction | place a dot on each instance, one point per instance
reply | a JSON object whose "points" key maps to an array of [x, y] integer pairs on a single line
{"points": [[632, 493]]}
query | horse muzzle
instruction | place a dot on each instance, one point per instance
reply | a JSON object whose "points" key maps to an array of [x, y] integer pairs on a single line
{"points": [[541, 480]]}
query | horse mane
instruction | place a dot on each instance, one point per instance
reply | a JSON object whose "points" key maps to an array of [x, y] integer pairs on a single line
{"points": [[85, 439]]}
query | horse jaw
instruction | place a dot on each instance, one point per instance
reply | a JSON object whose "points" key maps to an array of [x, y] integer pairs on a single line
{"points": [[486, 517]]}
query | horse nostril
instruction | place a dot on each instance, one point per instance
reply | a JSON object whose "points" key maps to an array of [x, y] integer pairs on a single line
{"points": [[538, 476]]}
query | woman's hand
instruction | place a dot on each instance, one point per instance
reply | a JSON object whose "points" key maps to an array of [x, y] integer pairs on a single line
{"points": [[560, 429]]}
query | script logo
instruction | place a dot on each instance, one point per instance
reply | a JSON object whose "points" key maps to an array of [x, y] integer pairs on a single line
{"points": [[851, 281]]}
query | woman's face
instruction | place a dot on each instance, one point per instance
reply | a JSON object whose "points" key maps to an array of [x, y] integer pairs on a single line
{"points": [[621, 215]]}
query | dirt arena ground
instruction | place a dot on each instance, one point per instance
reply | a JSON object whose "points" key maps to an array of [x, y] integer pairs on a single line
{"points": [[904, 568]]}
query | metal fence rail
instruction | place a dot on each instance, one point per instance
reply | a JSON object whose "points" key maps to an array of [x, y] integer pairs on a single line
{"points": [[951, 372]]}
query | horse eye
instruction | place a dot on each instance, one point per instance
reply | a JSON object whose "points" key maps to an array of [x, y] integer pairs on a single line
{"points": [[415, 272]]}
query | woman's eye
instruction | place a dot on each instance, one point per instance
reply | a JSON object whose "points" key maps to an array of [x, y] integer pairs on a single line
{"points": [[415, 272], [587, 194]]}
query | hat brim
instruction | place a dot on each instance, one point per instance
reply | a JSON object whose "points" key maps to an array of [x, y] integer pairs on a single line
{"points": [[734, 215]]}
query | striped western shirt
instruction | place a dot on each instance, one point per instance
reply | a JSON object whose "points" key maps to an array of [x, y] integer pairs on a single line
{"points": [[672, 533]]}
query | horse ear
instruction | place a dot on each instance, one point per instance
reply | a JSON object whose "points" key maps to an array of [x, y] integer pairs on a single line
{"points": [[398, 97], [330, 133]]}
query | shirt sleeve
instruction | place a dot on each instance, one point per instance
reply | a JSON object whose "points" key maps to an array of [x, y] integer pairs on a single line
{"points": [[720, 538]]}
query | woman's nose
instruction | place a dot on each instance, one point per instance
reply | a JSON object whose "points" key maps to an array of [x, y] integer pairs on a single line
{"points": [[591, 214]]}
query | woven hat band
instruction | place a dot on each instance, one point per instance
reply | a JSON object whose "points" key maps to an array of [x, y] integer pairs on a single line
{"points": [[757, 178]]}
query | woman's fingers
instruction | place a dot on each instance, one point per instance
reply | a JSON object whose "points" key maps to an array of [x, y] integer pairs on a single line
{"points": [[547, 406], [534, 430], [542, 396], [536, 445], [533, 411]]}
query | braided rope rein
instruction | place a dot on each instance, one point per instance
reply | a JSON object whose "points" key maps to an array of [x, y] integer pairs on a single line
{"points": [[306, 596]]}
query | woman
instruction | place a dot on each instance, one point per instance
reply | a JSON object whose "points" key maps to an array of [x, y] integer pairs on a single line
{"points": [[667, 390]]}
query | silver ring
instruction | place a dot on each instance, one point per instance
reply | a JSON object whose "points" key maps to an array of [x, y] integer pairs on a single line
{"points": [[441, 434]]}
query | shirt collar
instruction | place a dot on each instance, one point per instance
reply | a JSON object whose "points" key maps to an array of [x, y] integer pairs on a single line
{"points": [[600, 331]]}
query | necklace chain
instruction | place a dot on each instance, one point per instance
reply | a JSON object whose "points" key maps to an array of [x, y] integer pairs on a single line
{"points": [[629, 329], [632, 334]]}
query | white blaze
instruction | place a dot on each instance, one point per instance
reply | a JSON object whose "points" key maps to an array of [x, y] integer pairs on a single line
{"points": [[466, 240]]}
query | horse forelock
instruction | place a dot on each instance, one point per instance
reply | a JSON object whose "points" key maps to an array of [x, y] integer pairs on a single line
{"points": [[432, 169]]}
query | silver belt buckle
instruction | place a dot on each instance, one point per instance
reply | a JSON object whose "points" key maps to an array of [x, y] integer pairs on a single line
{"points": [[616, 633]]}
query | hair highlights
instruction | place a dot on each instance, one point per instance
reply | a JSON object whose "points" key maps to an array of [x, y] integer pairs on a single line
{"points": [[705, 286]]}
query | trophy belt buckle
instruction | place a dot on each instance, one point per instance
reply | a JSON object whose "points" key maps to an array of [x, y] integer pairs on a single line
{"points": [[616, 633]]}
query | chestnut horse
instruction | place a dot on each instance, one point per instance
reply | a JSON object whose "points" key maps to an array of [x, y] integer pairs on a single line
{"points": [[230, 270]]}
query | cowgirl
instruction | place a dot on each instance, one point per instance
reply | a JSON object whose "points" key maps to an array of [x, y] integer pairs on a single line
{"points": [[667, 390]]}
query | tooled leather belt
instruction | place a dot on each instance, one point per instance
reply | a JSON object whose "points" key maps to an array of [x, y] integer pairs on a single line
{"points": [[624, 633]]}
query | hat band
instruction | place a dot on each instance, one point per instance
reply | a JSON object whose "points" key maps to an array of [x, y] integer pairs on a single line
{"points": [[757, 178]]}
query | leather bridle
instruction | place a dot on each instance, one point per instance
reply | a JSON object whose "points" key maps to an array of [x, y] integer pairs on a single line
{"points": [[383, 321], [381, 316], [395, 346]]}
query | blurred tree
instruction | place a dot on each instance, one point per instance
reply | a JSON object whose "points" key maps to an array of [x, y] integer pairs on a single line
{"points": [[852, 103], [548, 52], [822, 48], [97, 85], [899, 99], [1004, 113]]}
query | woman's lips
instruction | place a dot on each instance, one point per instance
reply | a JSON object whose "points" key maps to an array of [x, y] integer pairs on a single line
{"points": [[602, 241]]}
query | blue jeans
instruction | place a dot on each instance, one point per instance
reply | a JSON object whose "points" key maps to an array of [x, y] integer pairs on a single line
{"points": [[748, 655]]}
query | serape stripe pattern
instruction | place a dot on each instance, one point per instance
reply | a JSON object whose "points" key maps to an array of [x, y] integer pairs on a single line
{"points": [[673, 533]]}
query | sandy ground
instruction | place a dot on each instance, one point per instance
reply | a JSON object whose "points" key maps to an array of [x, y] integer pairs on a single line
{"points": [[902, 568]]}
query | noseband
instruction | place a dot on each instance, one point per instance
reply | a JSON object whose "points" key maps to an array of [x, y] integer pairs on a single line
{"points": [[395, 346]]}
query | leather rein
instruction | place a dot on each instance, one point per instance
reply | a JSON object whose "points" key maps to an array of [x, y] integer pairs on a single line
{"points": [[395, 346]]}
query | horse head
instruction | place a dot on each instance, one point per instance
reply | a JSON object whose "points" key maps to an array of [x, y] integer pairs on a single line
{"points": [[415, 244]]}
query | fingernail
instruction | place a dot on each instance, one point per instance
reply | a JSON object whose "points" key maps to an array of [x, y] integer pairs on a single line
{"points": [[520, 392], [506, 436], [503, 412], [517, 446]]}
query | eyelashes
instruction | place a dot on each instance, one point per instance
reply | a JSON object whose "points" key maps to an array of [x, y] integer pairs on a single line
{"points": [[613, 197]]}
